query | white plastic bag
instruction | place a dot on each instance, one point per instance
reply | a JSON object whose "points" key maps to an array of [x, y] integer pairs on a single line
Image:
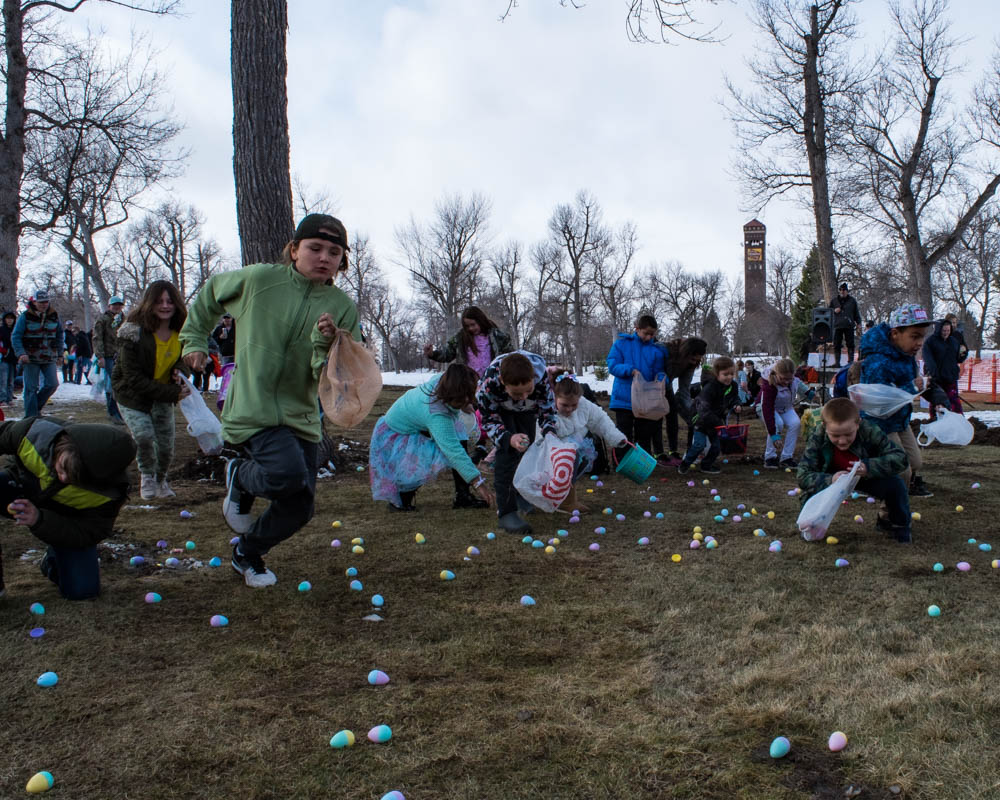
{"points": [[878, 399], [203, 425], [649, 399], [100, 386], [545, 474], [949, 428], [820, 509]]}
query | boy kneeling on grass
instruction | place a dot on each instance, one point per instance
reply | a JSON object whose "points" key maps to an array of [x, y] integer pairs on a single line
{"points": [[841, 440], [67, 483], [718, 396]]}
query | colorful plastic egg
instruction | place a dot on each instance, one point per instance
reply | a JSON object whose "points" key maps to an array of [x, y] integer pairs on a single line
{"points": [[562, 533], [737, 518], [759, 532], [620, 517], [714, 492], [377, 678], [756, 472], [858, 518], [472, 550], [601, 530], [419, 538], [654, 499], [305, 586], [690, 483], [870, 500], [608, 511], [985, 547], [47, 679], [939, 567], [959, 509], [963, 566], [380, 733], [574, 519], [711, 544], [971, 541], [350, 572], [491, 536], [393, 795], [527, 600], [647, 514], [357, 540], [189, 545], [162, 544], [719, 518], [355, 586], [342, 739], [699, 535], [995, 563], [599, 484], [378, 601], [594, 547], [705, 482], [975, 486], [832, 540], [447, 575], [527, 540], [841, 562], [171, 562], [659, 515], [335, 543], [780, 747], [538, 544], [775, 546], [358, 550], [185, 514], [837, 741], [643, 541], [336, 524], [218, 621], [36, 633], [725, 512], [40, 782], [695, 544], [770, 515], [152, 597], [915, 516], [676, 558], [933, 611], [550, 549]]}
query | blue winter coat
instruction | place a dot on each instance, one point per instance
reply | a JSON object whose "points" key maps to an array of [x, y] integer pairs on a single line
{"points": [[629, 352], [887, 364]]}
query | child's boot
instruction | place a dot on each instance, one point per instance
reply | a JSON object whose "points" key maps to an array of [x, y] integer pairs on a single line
{"points": [[463, 496]]}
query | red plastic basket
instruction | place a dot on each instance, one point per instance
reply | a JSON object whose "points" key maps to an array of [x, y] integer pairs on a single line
{"points": [[733, 438]]}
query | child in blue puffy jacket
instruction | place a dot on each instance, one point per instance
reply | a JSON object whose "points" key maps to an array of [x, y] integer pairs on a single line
{"points": [[633, 354]]}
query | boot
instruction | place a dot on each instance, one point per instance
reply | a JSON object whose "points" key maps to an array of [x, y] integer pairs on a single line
{"points": [[918, 488], [571, 502], [463, 497], [406, 502]]}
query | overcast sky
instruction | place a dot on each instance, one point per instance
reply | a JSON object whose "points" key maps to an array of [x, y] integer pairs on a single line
{"points": [[393, 104]]}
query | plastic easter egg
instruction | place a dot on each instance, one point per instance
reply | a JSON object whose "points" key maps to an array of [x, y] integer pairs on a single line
{"points": [[47, 679], [305, 586], [832, 540], [699, 536], [712, 544], [975, 486], [602, 530], [336, 524], [695, 544], [380, 733], [719, 518], [971, 541], [550, 549], [171, 562], [643, 541], [740, 507], [162, 544], [837, 741], [737, 518], [725, 512], [697, 528], [959, 509], [355, 586], [527, 540], [135, 561], [234, 540], [654, 499], [472, 550], [335, 543], [359, 469], [218, 621], [447, 575], [985, 547], [780, 747], [770, 515], [590, 491], [792, 492], [377, 678], [594, 547], [538, 544], [358, 550], [491, 536], [933, 611], [870, 500], [152, 597], [36, 633], [841, 562], [676, 558], [608, 511], [574, 519], [593, 477], [527, 600], [995, 563], [378, 601], [717, 499], [690, 483], [350, 572], [393, 795], [419, 538], [915, 516], [342, 739], [562, 533], [40, 782], [858, 518], [714, 491], [215, 561], [854, 495], [620, 517], [775, 546], [647, 514], [554, 542], [705, 482], [759, 532], [756, 472], [185, 514], [599, 484], [189, 545], [659, 515], [753, 511], [939, 567], [963, 566]]}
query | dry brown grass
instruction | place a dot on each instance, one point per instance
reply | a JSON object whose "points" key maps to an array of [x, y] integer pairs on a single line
{"points": [[632, 677]]}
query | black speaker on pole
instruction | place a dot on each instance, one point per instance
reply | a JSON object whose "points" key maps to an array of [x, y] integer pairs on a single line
{"points": [[822, 326]]}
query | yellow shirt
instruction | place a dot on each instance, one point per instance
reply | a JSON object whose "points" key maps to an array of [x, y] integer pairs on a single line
{"points": [[167, 354]]}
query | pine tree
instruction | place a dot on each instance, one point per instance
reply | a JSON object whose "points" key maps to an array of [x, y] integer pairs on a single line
{"points": [[807, 294]]}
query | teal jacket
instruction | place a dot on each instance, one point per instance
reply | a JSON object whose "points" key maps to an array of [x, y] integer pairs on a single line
{"points": [[418, 411], [279, 352], [882, 457]]}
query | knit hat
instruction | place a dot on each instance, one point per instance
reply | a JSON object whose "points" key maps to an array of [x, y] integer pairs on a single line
{"points": [[908, 316], [311, 225], [843, 287]]}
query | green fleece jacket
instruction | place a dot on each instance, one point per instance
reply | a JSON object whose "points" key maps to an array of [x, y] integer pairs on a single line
{"points": [[279, 353]]}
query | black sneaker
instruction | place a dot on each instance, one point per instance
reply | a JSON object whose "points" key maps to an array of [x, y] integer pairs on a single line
{"points": [[711, 469], [683, 467], [770, 463], [399, 509], [789, 463], [466, 500], [902, 534], [918, 488], [236, 505], [252, 569]]}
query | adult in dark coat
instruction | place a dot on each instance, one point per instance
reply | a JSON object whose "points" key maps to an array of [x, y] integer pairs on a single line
{"points": [[225, 338], [846, 318], [84, 353], [8, 358], [943, 353]]}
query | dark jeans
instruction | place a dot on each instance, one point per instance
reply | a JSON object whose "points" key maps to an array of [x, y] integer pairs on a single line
{"points": [[840, 336], [8, 372], [698, 442], [638, 430], [35, 396], [280, 467], [893, 491], [81, 366], [508, 458], [109, 395], [74, 570]]}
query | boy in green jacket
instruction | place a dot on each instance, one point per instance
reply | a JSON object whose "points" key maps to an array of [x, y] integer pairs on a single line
{"points": [[287, 314], [841, 440]]}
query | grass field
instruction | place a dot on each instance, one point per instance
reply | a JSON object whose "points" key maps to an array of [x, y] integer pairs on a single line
{"points": [[632, 677]]}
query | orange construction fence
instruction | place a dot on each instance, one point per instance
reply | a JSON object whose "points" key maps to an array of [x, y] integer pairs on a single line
{"points": [[979, 375]]}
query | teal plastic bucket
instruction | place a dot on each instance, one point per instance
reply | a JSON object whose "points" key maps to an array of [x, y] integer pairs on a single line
{"points": [[637, 465]]}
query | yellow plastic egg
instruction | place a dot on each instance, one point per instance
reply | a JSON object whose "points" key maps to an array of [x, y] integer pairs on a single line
{"points": [[335, 524], [995, 563], [832, 540], [697, 528], [590, 491], [357, 540], [770, 515], [419, 538], [705, 482], [358, 549], [753, 511], [676, 558], [915, 516], [959, 508], [40, 782], [550, 549], [699, 537]]}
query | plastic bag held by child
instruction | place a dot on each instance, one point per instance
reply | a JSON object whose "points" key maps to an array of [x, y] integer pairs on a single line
{"points": [[948, 428], [545, 474], [203, 425], [879, 400], [350, 383], [820, 509], [649, 400], [101, 384]]}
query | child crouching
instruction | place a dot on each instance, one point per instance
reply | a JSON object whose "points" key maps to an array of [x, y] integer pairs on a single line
{"points": [[576, 417], [717, 397], [778, 396], [841, 440]]}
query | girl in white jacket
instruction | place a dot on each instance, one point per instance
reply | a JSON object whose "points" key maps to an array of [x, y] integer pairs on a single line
{"points": [[576, 416]]}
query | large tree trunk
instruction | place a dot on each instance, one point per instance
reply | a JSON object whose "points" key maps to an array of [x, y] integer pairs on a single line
{"points": [[260, 128], [12, 152], [816, 150]]}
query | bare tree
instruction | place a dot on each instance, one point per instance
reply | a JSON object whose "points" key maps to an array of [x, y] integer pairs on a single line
{"points": [[308, 200], [260, 127], [910, 151], [690, 300], [800, 77], [612, 277], [445, 257], [509, 269]]}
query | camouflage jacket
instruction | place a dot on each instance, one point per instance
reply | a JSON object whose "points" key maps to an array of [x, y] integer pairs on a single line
{"points": [[882, 457]]}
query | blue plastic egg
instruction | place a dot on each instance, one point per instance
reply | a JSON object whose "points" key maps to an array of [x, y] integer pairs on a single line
{"points": [[380, 733], [215, 561], [393, 795], [985, 547], [342, 739], [780, 747], [218, 621], [643, 541], [659, 515], [350, 572], [491, 536], [189, 545], [171, 562], [600, 530], [135, 561], [378, 601], [527, 540], [538, 543], [719, 518], [841, 562], [939, 567], [377, 678], [562, 533], [305, 586], [725, 512], [185, 514], [47, 679], [356, 586], [527, 600]]}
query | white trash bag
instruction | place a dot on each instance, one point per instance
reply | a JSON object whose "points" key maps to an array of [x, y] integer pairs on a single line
{"points": [[203, 425], [820, 509], [880, 400], [950, 427], [100, 386], [545, 474]]}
